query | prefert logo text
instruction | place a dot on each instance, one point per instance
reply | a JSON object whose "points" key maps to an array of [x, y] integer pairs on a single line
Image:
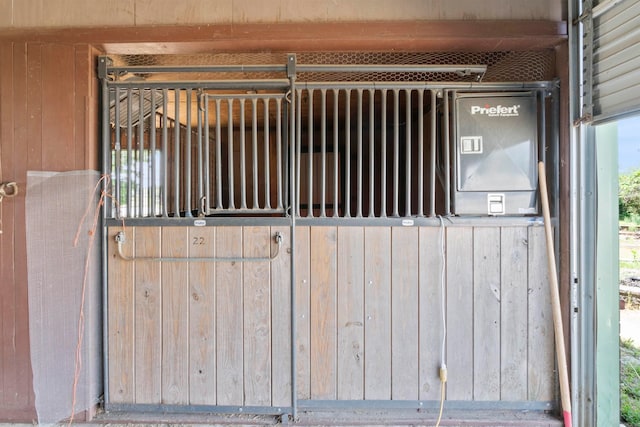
{"points": [[497, 111]]}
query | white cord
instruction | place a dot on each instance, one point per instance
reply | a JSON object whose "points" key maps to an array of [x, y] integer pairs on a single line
{"points": [[443, 365], [442, 290]]}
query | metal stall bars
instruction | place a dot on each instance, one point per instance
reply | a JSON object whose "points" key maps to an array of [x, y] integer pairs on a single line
{"points": [[168, 153], [243, 178]]}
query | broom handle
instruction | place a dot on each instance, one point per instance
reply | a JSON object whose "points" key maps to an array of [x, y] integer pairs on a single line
{"points": [[565, 393]]}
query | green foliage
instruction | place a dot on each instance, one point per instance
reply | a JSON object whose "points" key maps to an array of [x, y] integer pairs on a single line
{"points": [[629, 384], [629, 196]]}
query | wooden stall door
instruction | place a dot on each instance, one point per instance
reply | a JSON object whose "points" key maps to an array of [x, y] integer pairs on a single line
{"points": [[370, 318], [199, 333]]}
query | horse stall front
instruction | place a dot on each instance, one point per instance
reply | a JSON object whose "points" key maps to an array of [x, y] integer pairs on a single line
{"points": [[302, 239]]}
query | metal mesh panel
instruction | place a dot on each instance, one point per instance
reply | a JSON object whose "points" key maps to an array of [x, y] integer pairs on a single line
{"points": [[502, 66]]}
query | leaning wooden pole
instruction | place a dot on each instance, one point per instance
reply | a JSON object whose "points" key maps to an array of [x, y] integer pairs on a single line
{"points": [[565, 392]]}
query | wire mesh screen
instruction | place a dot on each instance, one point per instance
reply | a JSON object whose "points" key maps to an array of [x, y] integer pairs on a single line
{"points": [[507, 66]]}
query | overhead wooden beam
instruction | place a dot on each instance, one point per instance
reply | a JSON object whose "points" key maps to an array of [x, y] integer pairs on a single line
{"points": [[405, 36]]}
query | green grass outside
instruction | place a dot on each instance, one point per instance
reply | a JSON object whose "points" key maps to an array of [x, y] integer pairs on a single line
{"points": [[629, 383]]}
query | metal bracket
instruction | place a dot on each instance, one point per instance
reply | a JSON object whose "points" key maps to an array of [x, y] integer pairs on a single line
{"points": [[120, 238], [104, 62], [291, 65]]}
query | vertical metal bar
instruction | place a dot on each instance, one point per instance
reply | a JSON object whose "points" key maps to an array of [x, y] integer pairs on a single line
{"points": [[359, 154], [432, 182], [117, 179], [267, 169], [323, 150], [310, 151], [542, 138], [396, 150], [107, 213], [218, 158], [141, 178], [187, 159], [286, 110], [279, 150], [165, 154], [232, 204], [372, 186], [336, 150], [176, 154], [254, 149], [153, 148], [206, 162], [293, 201], [420, 152], [298, 143], [130, 213], [408, 94], [201, 177], [108, 159], [447, 156], [383, 154], [555, 147], [243, 157], [347, 154]]}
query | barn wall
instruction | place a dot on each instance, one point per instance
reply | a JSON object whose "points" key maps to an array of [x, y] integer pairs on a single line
{"points": [[47, 123], [80, 13], [367, 310]]}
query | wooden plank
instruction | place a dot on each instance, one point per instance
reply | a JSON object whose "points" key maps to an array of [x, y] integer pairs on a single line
{"points": [[202, 321], [541, 349], [229, 318], [83, 63], [350, 313], [257, 317], [513, 309], [175, 317], [303, 312], [323, 313], [7, 238], [404, 313], [431, 315], [460, 313], [377, 306], [486, 313], [22, 370], [410, 36], [148, 317], [34, 107], [58, 144], [121, 301], [281, 321]]}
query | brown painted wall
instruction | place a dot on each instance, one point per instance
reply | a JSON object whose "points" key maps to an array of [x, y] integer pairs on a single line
{"points": [[48, 114]]}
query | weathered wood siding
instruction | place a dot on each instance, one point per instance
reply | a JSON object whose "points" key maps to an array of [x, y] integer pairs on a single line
{"points": [[69, 13], [368, 313]]}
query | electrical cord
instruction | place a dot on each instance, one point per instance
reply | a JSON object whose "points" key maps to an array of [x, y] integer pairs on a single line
{"points": [[443, 366]]}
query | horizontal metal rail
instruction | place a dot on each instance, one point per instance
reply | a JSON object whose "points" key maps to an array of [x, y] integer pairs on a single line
{"points": [[146, 69], [203, 84], [463, 69], [470, 86], [121, 238]]}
